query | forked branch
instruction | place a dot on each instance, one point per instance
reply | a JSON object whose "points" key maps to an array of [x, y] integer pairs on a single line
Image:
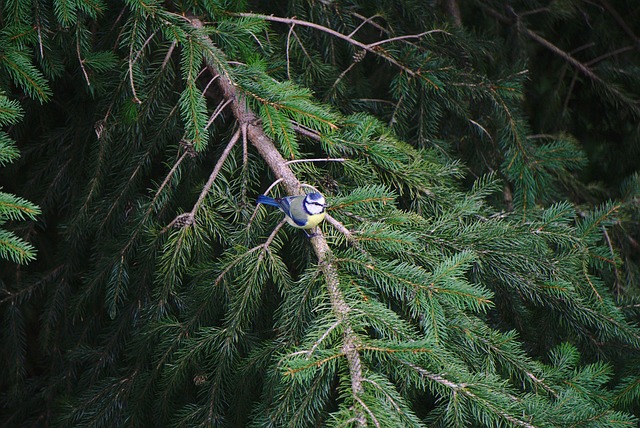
{"points": [[248, 120], [369, 47]]}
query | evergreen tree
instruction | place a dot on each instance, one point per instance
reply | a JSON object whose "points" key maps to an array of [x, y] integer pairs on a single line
{"points": [[12, 207], [468, 273]]}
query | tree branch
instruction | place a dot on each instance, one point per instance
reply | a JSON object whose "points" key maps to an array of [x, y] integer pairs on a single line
{"points": [[584, 69], [189, 218], [249, 120], [452, 9], [337, 34], [580, 67], [622, 23]]}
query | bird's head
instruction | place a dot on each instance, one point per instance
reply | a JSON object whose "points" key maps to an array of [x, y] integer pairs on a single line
{"points": [[314, 203]]}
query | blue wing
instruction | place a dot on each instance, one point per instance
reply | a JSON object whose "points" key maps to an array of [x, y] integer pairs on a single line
{"points": [[283, 203], [263, 199]]}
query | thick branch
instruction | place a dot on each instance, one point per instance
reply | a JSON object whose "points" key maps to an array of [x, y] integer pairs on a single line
{"points": [[263, 144], [452, 9]]}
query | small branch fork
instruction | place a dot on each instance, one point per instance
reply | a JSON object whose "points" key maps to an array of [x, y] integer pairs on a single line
{"points": [[581, 67], [190, 217], [255, 134], [371, 47]]}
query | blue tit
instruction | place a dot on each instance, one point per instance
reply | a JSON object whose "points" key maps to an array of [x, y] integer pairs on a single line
{"points": [[303, 212]]}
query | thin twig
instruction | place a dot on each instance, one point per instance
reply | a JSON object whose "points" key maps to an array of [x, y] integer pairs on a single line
{"points": [[610, 54], [264, 247], [584, 69], [316, 160], [371, 22], [348, 235], [272, 186], [462, 388], [165, 182], [365, 21], [339, 78], [167, 57], [307, 132], [266, 192], [189, 217], [572, 84], [216, 170], [81, 61], [322, 338], [613, 257], [361, 419], [144, 45], [337, 34], [302, 46], [339, 227], [409, 36], [309, 186], [622, 23], [287, 51], [131, 82], [216, 113]]}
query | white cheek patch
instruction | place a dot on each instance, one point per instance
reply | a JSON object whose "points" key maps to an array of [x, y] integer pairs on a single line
{"points": [[314, 208]]}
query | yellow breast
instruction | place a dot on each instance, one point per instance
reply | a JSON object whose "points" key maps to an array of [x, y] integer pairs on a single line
{"points": [[313, 221]]}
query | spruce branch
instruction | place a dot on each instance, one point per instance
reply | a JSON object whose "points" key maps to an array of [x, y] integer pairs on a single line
{"points": [[81, 61], [369, 21], [316, 160], [217, 112], [306, 132], [255, 134], [369, 47], [187, 219], [466, 390], [617, 282], [287, 51], [566, 56], [348, 236], [131, 62], [622, 23]]}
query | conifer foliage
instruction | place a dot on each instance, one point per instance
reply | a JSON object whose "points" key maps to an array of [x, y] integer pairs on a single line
{"points": [[467, 273], [12, 207]]}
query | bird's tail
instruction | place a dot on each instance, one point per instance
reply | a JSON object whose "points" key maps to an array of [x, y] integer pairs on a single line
{"points": [[262, 199]]}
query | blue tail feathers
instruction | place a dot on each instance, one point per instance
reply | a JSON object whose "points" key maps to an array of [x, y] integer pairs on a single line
{"points": [[262, 199]]}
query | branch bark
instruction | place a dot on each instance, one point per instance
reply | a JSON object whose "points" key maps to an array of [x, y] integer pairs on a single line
{"points": [[452, 9], [250, 121]]}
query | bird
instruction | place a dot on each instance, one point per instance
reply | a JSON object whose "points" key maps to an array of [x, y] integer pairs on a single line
{"points": [[302, 212]]}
